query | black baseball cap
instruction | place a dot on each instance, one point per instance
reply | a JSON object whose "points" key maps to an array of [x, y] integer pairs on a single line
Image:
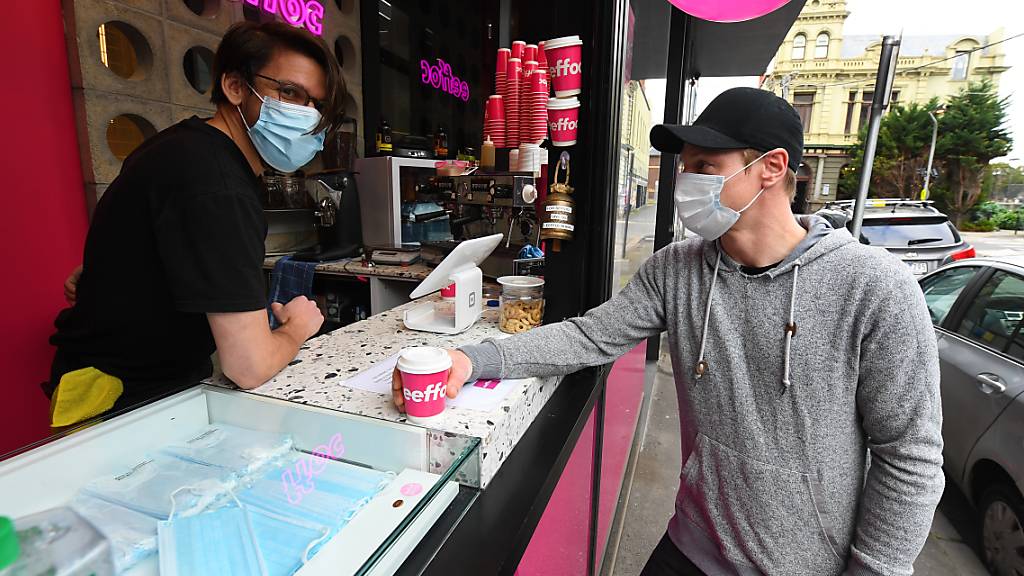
{"points": [[739, 118]]}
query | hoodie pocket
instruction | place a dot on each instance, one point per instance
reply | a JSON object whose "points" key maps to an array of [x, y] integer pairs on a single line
{"points": [[760, 515]]}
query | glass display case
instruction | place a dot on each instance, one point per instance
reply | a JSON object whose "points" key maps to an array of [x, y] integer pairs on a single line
{"points": [[136, 458]]}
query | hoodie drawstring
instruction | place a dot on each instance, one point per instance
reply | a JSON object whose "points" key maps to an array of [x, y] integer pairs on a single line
{"points": [[790, 327], [702, 365]]}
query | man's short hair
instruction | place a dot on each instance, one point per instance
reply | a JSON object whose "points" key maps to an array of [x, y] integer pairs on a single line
{"points": [[247, 47], [749, 155]]}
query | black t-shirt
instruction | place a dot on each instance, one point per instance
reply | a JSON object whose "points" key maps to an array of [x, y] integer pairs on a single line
{"points": [[179, 233]]}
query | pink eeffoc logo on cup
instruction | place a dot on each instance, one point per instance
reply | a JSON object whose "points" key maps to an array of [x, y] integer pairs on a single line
{"points": [[564, 57], [424, 373]]}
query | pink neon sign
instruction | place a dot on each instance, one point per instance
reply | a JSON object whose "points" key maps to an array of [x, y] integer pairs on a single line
{"points": [[440, 76], [301, 13]]}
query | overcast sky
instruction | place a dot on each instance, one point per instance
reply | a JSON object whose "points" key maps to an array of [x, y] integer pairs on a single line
{"points": [[915, 17]]}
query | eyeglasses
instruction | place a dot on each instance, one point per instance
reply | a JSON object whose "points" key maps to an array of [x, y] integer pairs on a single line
{"points": [[293, 93]]}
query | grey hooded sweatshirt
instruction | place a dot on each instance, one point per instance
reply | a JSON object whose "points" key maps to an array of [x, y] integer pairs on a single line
{"points": [[810, 368]]}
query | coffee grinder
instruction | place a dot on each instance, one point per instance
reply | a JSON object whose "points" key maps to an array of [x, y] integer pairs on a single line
{"points": [[337, 217]]}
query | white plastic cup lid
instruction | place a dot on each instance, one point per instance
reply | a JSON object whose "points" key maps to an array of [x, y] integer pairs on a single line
{"points": [[521, 281], [563, 103], [562, 42], [424, 360]]}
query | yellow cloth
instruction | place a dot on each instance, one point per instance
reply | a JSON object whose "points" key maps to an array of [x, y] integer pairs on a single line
{"points": [[83, 394]]}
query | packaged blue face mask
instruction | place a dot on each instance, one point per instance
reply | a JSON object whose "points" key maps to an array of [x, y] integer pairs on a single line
{"points": [[243, 452], [132, 535], [215, 543], [315, 490], [147, 486], [285, 544]]}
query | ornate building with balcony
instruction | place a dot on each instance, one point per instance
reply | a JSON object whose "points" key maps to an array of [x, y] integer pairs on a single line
{"points": [[830, 80]]}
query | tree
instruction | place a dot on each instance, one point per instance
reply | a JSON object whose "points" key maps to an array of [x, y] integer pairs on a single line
{"points": [[972, 132], [901, 155]]}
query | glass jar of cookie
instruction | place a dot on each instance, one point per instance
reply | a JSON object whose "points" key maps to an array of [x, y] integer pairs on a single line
{"points": [[522, 303]]}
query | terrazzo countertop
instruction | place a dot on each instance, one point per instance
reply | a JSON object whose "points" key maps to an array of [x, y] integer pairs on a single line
{"points": [[316, 377], [355, 267]]}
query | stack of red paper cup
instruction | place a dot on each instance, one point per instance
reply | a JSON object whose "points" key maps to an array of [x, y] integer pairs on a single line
{"points": [[512, 102], [500, 73], [526, 114], [542, 58], [530, 53], [494, 121], [518, 49], [538, 98]]}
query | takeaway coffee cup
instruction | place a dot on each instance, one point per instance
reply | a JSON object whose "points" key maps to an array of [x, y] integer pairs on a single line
{"points": [[564, 57], [563, 120], [424, 373]]}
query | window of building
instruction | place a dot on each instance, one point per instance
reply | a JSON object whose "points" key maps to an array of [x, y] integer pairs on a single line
{"points": [[803, 102], [799, 45], [865, 107], [961, 63], [821, 46], [851, 103]]}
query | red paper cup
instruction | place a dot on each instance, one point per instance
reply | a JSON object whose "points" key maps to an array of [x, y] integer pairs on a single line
{"points": [[424, 373], [502, 62], [564, 56], [496, 107], [542, 57], [518, 48], [563, 119], [530, 52]]}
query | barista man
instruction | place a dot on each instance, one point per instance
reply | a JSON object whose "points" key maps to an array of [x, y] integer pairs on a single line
{"points": [[173, 260]]}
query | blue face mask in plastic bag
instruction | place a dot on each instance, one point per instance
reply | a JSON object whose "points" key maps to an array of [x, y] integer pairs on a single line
{"points": [[241, 451], [283, 133], [285, 543], [315, 490], [147, 486], [132, 535], [216, 543]]}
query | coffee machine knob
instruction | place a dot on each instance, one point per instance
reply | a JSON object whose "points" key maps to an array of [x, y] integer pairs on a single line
{"points": [[529, 193]]}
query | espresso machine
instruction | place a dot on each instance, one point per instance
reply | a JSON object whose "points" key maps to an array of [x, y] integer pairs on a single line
{"points": [[484, 204]]}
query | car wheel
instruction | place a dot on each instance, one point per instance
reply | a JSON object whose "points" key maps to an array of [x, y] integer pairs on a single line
{"points": [[1002, 530]]}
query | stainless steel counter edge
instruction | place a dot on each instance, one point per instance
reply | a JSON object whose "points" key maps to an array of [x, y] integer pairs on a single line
{"points": [[316, 378]]}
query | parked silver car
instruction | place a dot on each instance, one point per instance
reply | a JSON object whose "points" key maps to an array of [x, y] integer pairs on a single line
{"points": [[915, 231], [977, 306]]}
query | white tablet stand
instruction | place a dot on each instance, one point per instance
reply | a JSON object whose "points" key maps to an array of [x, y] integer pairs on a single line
{"points": [[461, 267]]}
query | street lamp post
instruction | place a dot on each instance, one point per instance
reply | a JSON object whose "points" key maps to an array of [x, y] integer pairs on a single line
{"points": [[883, 92], [931, 156]]}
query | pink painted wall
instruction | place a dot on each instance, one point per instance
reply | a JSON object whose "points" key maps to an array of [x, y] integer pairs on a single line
{"points": [[559, 544], [44, 214], [623, 398]]}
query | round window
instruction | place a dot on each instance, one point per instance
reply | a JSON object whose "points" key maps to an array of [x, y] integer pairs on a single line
{"points": [[124, 50], [198, 65], [126, 132]]}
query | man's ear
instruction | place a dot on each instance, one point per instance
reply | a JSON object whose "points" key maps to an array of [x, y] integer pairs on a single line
{"points": [[776, 164], [234, 87]]}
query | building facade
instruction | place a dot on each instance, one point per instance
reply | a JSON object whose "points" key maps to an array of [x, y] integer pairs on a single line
{"points": [[636, 144], [829, 78]]}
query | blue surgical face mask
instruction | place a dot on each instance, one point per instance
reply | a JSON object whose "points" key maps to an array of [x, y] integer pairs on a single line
{"points": [[217, 543], [699, 203], [315, 491], [283, 133]]}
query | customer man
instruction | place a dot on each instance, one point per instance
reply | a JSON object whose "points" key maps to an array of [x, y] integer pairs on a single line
{"points": [[174, 256], [796, 351]]}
